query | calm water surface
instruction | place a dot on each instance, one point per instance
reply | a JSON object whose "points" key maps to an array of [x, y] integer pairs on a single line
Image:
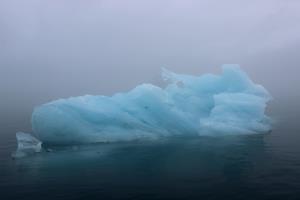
{"points": [[232, 167]]}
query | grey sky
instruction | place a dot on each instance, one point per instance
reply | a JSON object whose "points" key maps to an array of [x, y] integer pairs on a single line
{"points": [[58, 48]]}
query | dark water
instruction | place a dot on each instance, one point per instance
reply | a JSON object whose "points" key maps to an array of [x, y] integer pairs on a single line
{"points": [[231, 167]]}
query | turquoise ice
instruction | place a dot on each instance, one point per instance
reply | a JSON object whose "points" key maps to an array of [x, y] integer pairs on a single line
{"points": [[209, 104]]}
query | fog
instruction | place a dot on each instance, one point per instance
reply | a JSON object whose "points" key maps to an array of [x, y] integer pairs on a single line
{"points": [[59, 48]]}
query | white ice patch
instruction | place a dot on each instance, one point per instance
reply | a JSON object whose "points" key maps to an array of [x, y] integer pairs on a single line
{"points": [[210, 104], [27, 144]]}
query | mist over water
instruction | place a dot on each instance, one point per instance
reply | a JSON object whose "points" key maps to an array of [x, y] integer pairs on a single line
{"points": [[57, 49]]}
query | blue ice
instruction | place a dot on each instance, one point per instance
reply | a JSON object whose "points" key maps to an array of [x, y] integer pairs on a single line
{"points": [[209, 104]]}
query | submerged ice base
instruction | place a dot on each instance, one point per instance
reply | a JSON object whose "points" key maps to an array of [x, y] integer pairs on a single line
{"points": [[210, 104]]}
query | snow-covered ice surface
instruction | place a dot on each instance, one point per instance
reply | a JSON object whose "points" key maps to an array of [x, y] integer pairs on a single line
{"points": [[210, 104]]}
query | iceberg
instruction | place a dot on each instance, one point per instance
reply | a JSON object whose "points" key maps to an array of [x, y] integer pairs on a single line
{"points": [[210, 104], [27, 145]]}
